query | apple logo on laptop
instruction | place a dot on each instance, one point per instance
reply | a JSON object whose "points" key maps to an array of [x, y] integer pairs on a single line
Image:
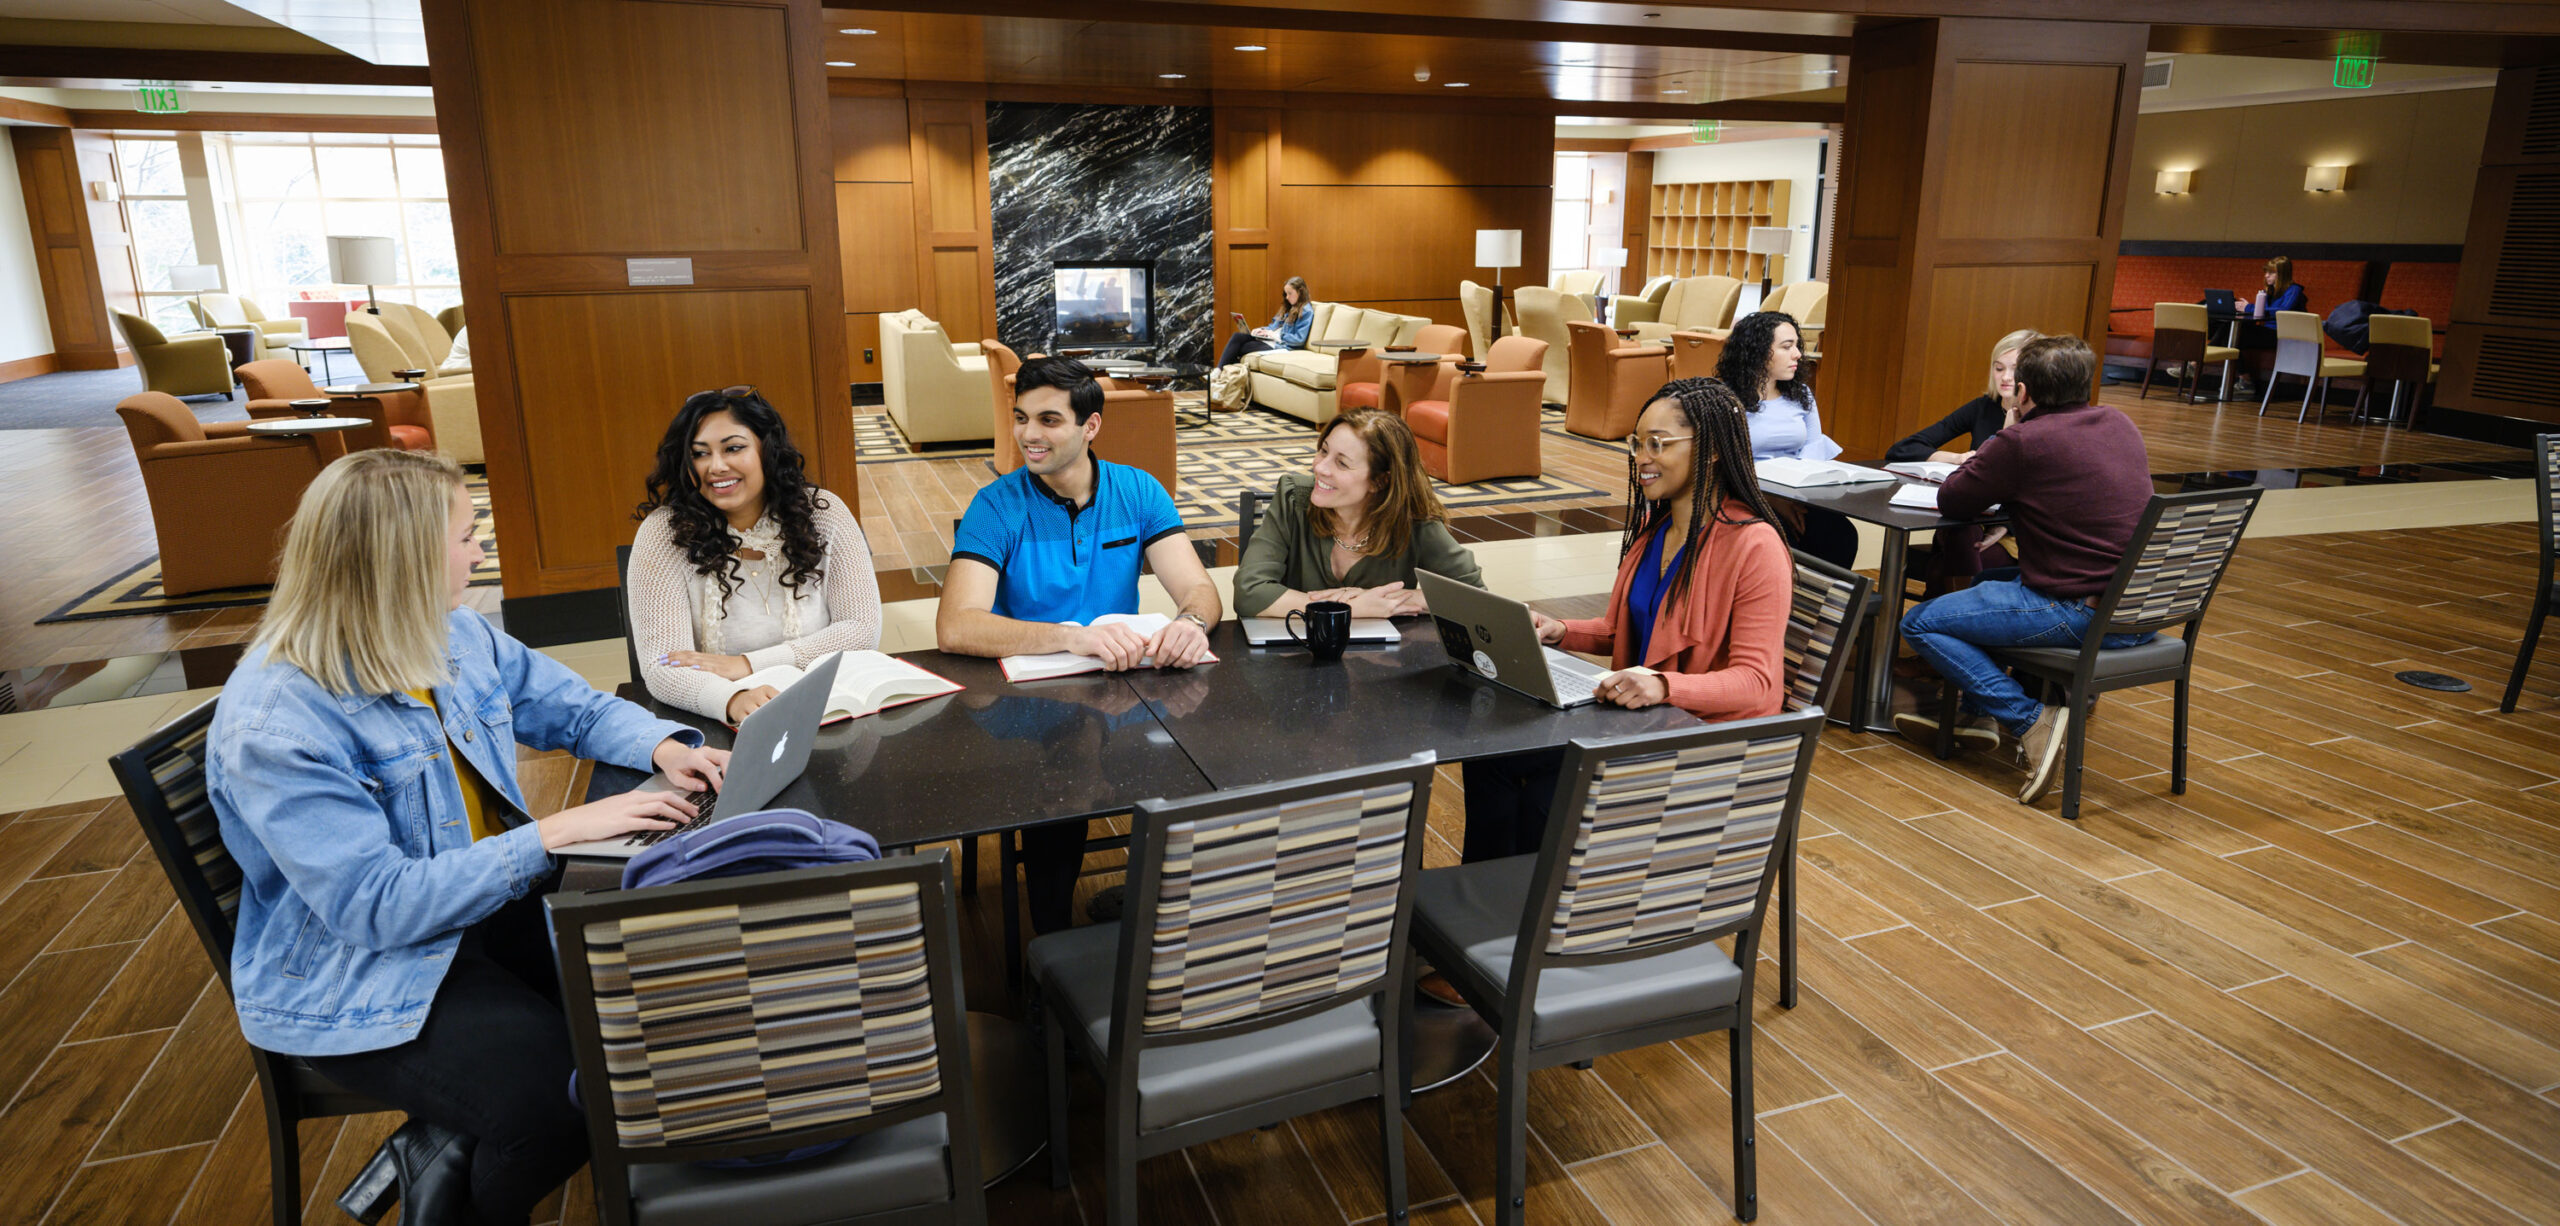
{"points": [[781, 745]]}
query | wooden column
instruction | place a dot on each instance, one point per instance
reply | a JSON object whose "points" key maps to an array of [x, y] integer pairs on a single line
{"points": [[1245, 134], [954, 224], [1983, 191], [2506, 304], [875, 210], [80, 243], [580, 136]]}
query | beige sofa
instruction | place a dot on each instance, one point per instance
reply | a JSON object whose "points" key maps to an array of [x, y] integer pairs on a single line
{"points": [[1301, 382], [1691, 304], [393, 341], [937, 391]]}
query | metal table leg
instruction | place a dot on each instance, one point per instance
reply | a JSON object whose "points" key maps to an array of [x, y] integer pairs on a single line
{"points": [[1008, 1076], [1874, 709]]}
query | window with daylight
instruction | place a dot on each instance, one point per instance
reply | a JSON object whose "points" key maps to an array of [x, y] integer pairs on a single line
{"points": [[1569, 230], [291, 191], [164, 236]]}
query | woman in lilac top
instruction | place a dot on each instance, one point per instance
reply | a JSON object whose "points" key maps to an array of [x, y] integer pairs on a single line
{"points": [[1761, 359]]}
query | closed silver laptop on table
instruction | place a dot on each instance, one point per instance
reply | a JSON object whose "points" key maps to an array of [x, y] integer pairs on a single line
{"points": [[771, 749], [1493, 637]]}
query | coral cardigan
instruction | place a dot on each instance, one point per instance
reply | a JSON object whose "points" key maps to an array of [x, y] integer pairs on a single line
{"points": [[1723, 647]]}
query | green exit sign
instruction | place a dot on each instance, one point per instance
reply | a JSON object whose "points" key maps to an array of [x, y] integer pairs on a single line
{"points": [[158, 98], [2353, 72], [1707, 131]]}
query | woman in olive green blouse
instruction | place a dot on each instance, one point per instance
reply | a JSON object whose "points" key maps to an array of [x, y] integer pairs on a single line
{"points": [[1354, 530]]}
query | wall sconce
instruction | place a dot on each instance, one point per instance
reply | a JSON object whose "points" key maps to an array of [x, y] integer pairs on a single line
{"points": [[2173, 182], [104, 192], [2324, 178]]}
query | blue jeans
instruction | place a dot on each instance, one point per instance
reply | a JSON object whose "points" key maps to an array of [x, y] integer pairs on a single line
{"points": [[1952, 631]]}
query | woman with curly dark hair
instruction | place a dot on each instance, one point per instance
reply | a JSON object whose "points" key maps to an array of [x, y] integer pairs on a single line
{"points": [[1762, 361], [740, 563], [1698, 618]]}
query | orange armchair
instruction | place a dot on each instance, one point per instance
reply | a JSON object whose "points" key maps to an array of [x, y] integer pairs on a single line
{"points": [[1482, 427], [1694, 355], [1002, 361], [220, 496], [399, 421], [1611, 382], [1137, 429], [1360, 377]]}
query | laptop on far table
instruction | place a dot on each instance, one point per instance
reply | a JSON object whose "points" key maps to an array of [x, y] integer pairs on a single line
{"points": [[771, 749], [1493, 637]]}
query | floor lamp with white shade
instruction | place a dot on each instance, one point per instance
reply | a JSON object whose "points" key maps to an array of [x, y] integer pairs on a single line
{"points": [[1497, 250], [1770, 243], [363, 259], [196, 279]]}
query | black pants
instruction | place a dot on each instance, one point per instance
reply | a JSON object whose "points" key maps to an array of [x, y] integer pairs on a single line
{"points": [[492, 1062], [1830, 536], [1507, 803], [1052, 855], [1239, 345]]}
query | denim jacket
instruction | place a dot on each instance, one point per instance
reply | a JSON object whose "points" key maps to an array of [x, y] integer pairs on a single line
{"points": [[358, 873], [1292, 334]]}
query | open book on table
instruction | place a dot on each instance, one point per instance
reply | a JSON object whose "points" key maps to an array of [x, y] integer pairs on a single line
{"points": [[1068, 663], [1935, 472], [866, 683], [1802, 474]]}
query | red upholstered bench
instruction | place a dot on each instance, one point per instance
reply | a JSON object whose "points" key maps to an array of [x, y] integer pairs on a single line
{"points": [[2426, 288], [2142, 280]]}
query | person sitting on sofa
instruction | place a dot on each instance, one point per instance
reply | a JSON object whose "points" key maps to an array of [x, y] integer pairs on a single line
{"points": [[1287, 329]]}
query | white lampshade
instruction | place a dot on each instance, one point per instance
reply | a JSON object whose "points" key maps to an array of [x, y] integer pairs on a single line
{"points": [[1770, 240], [361, 259], [1614, 257], [193, 278], [1497, 248]]}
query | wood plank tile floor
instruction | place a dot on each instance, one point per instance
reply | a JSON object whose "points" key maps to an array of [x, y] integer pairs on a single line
{"points": [[2321, 986]]}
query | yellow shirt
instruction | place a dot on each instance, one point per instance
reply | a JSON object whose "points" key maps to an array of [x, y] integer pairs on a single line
{"points": [[479, 800]]}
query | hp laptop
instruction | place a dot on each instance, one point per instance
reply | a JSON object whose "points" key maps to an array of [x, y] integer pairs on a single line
{"points": [[771, 749], [1492, 637]]}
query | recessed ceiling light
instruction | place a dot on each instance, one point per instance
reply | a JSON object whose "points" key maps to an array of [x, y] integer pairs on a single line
{"points": [[1172, 76], [841, 64], [1454, 85], [857, 30], [1251, 47]]}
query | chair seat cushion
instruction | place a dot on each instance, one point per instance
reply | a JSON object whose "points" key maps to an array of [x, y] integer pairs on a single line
{"points": [[1312, 371], [1196, 1080], [899, 1167], [1428, 419], [2159, 653], [411, 438], [1356, 396], [2221, 353], [2341, 368], [1476, 908]]}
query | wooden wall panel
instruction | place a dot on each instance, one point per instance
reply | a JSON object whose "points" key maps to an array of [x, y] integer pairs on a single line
{"points": [[618, 162], [119, 286], [605, 353], [2506, 303], [957, 275], [1409, 148], [878, 246], [1408, 242], [955, 234], [1984, 171], [870, 137], [581, 133], [66, 259], [1243, 183], [862, 346]]}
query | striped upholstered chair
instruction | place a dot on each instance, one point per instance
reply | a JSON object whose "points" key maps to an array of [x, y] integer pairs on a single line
{"points": [[1829, 608], [2546, 594], [1604, 940], [2166, 581], [745, 1016], [1258, 973], [163, 779]]}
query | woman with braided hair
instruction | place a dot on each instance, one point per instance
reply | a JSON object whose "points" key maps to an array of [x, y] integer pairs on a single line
{"points": [[1698, 617]]}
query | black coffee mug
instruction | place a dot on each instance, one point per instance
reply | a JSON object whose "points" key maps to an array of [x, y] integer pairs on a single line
{"points": [[1328, 628]]}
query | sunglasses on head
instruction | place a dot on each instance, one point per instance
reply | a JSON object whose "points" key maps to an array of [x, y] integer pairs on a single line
{"points": [[735, 391]]}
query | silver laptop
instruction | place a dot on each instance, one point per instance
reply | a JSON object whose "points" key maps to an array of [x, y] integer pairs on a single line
{"points": [[1492, 637], [770, 750]]}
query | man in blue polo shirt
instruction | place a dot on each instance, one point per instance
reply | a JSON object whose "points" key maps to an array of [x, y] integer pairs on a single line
{"points": [[1051, 546]]}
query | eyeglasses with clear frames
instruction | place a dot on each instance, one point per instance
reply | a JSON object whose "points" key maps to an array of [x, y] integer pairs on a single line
{"points": [[1638, 444]]}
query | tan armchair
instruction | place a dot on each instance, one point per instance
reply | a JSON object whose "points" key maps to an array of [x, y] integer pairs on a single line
{"points": [[1611, 382], [1543, 315], [1002, 362], [192, 365], [419, 333], [399, 422], [451, 404], [1303, 382], [1483, 427], [1692, 304], [220, 496], [216, 310], [1584, 285], [450, 319], [1642, 306], [1809, 302], [1484, 324], [937, 391]]}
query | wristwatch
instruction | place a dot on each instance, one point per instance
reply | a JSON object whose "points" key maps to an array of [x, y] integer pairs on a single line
{"points": [[1194, 619]]}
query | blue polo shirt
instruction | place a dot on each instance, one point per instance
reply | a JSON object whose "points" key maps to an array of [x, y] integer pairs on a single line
{"points": [[1056, 562]]}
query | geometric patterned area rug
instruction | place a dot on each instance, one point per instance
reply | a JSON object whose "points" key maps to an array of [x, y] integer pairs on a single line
{"points": [[136, 592]]}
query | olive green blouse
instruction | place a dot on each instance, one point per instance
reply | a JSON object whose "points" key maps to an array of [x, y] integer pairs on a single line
{"points": [[1287, 555]]}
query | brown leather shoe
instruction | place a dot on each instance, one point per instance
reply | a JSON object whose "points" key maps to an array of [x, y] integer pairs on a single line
{"points": [[1437, 986]]}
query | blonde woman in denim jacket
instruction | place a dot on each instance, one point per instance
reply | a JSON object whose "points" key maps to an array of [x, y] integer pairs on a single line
{"points": [[362, 765]]}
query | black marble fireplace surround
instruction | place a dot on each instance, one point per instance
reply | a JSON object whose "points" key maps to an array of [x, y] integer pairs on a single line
{"points": [[1069, 181]]}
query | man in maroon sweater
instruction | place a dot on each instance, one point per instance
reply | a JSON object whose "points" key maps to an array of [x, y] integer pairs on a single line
{"points": [[2074, 479]]}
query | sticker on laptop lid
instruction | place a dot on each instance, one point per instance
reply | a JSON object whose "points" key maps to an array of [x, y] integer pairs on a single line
{"points": [[1484, 664]]}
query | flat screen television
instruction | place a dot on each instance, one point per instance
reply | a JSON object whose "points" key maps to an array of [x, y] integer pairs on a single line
{"points": [[1104, 303]]}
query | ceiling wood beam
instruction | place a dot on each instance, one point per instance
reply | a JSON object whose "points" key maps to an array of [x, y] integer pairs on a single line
{"points": [[19, 110], [87, 63], [1751, 109], [243, 121], [1422, 25]]}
